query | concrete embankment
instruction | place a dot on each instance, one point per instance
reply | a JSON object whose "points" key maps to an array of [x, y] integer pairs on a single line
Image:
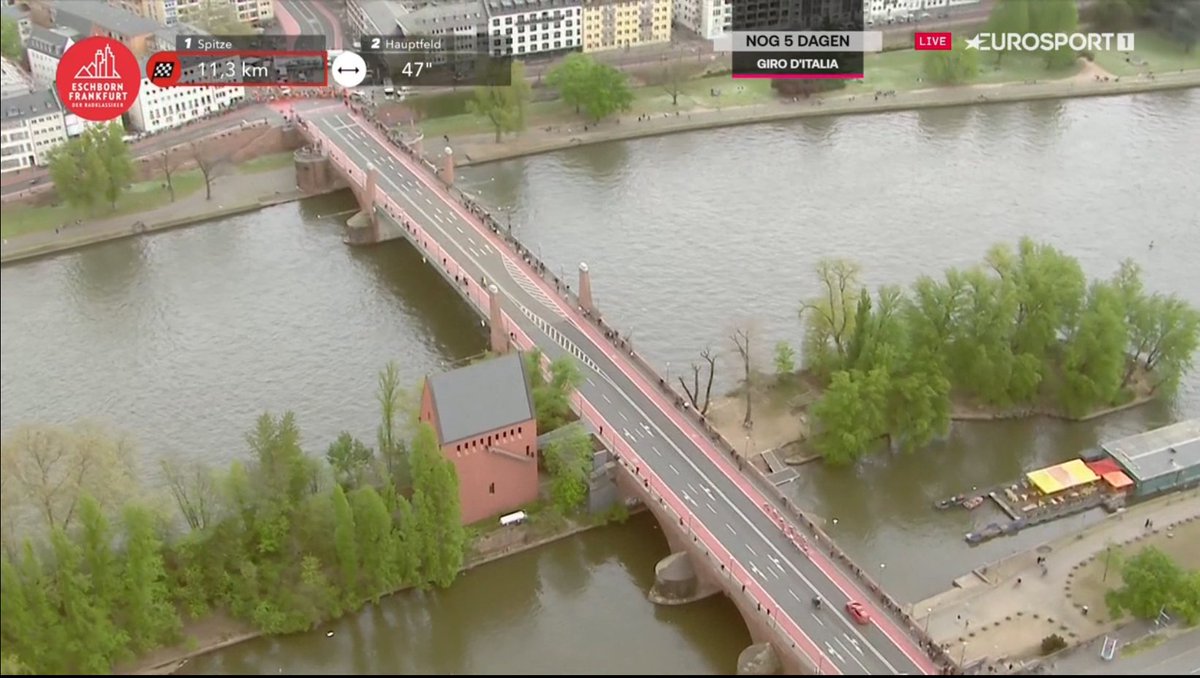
{"points": [[482, 150]]}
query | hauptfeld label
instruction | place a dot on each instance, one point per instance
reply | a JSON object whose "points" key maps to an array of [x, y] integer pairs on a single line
{"points": [[815, 65]]}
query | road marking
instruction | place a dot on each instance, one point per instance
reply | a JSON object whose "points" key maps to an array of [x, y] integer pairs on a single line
{"points": [[851, 654], [814, 616], [656, 450], [710, 508], [627, 433], [606, 398], [674, 469], [428, 200], [751, 550], [731, 530], [589, 380], [622, 413], [834, 653], [689, 499]]}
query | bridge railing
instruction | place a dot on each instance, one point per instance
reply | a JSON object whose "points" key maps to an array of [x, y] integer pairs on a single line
{"points": [[766, 488]]}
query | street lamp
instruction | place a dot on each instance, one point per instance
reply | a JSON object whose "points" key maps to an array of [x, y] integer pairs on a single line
{"points": [[1107, 558], [962, 657], [928, 614]]}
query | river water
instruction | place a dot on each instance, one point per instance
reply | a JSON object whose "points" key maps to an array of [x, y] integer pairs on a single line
{"points": [[182, 338]]}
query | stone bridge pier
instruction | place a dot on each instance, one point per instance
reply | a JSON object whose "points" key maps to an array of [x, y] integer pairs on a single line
{"points": [[691, 573]]}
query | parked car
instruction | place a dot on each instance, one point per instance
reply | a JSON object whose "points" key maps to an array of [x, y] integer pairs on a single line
{"points": [[858, 612]]}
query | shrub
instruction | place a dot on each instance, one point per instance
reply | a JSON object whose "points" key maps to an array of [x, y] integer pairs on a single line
{"points": [[1053, 643]]}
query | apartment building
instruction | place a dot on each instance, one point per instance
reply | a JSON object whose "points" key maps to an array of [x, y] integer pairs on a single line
{"points": [[373, 17], [44, 49], [903, 10], [461, 24], [91, 18], [19, 16], [527, 27], [612, 24], [14, 82], [31, 125], [171, 12], [160, 108], [707, 18]]}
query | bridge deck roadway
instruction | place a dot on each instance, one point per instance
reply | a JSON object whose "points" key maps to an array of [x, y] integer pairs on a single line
{"points": [[701, 482]]}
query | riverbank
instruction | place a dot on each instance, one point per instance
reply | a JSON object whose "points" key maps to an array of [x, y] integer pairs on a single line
{"points": [[479, 149], [232, 194], [217, 631]]}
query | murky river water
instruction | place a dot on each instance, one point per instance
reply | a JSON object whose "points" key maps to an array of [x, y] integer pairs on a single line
{"points": [[182, 338]]}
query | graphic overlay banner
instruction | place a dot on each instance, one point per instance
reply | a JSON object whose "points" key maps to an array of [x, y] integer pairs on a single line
{"points": [[250, 43], [98, 79], [435, 61], [795, 39], [163, 69]]}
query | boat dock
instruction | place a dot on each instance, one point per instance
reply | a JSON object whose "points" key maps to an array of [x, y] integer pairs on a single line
{"points": [[778, 472]]}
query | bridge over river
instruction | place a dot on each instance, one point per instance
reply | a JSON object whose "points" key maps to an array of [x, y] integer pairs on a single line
{"points": [[738, 532]]}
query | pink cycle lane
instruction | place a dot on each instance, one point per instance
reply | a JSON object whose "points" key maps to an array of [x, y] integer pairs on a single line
{"points": [[831, 571]]}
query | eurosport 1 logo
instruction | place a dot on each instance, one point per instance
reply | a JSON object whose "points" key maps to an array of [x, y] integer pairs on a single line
{"points": [[1046, 42]]}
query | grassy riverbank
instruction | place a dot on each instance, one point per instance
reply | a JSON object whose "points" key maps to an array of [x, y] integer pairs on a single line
{"points": [[142, 197]]}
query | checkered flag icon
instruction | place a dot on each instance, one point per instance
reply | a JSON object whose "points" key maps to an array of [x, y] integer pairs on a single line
{"points": [[163, 70]]}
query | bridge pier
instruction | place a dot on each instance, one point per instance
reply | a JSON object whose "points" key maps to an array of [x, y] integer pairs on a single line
{"points": [[585, 289], [759, 659], [676, 581], [448, 167], [499, 333]]}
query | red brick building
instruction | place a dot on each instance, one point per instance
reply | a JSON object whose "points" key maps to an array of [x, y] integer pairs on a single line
{"points": [[484, 418]]}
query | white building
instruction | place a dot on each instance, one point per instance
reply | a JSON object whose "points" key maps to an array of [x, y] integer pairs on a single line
{"points": [[31, 125], [459, 24], [707, 18], [45, 48], [883, 11], [13, 80], [525, 27], [161, 108]]}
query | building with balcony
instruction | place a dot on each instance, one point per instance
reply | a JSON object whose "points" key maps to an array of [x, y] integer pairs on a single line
{"points": [[526, 27], [31, 125], [373, 17], [612, 24], [171, 12], [708, 19], [485, 423]]}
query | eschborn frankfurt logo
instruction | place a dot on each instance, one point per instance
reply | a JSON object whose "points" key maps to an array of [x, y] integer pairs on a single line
{"points": [[1045, 42], [98, 79]]}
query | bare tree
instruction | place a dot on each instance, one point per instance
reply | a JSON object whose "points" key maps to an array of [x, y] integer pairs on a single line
{"points": [[673, 79], [832, 315], [195, 491], [742, 337], [48, 469], [693, 393], [210, 167], [168, 169]]}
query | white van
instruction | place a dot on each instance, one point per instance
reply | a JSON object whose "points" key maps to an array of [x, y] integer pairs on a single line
{"points": [[513, 519], [389, 92]]}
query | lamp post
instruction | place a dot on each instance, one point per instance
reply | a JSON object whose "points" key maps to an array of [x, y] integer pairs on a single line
{"points": [[1107, 559], [928, 614], [962, 657]]}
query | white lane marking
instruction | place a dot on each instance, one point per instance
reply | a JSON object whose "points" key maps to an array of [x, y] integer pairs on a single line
{"points": [[818, 619], [751, 550], [835, 653], [647, 429], [710, 508], [686, 458], [589, 380], [731, 530], [606, 398], [851, 654], [627, 433], [674, 469], [689, 499], [656, 450], [472, 241], [622, 413], [755, 570], [428, 200]]}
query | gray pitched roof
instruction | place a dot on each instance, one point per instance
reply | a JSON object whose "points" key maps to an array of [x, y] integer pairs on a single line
{"points": [[451, 15], [382, 15], [1159, 452], [82, 14], [32, 105], [482, 397], [13, 12], [46, 41]]}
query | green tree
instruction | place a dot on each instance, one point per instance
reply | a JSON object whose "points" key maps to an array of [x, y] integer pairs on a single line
{"points": [[1112, 15], [78, 171], [1009, 16], [218, 17], [96, 543], [440, 535], [1165, 336], [850, 415], [918, 403], [350, 460], [150, 617], [316, 597], [407, 555], [93, 641], [570, 78], [1055, 16], [1095, 353], [376, 542], [283, 473], [606, 90], [951, 67], [118, 163], [504, 107], [828, 317], [785, 359], [1153, 583], [10, 39], [345, 541], [1179, 20], [569, 461], [392, 426], [552, 397]]}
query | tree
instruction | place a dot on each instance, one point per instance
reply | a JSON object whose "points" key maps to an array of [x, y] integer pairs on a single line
{"points": [[10, 39], [1179, 20], [1055, 16], [552, 397], [1112, 15], [50, 469], [805, 88], [951, 67], [1095, 353], [672, 80], [693, 393], [345, 541], [829, 317], [350, 460], [93, 640], [167, 164], [194, 488], [742, 338], [504, 107], [394, 421], [146, 607], [1165, 334], [569, 461], [570, 78], [210, 167], [1009, 16], [441, 538], [606, 91], [95, 540], [32, 625], [218, 17], [850, 415], [283, 474], [785, 359], [79, 173], [118, 164], [1153, 583], [376, 543]]}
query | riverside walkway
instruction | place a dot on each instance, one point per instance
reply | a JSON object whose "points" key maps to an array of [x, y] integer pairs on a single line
{"points": [[762, 548]]}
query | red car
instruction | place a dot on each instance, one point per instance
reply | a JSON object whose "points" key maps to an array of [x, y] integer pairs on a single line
{"points": [[858, 612]]}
